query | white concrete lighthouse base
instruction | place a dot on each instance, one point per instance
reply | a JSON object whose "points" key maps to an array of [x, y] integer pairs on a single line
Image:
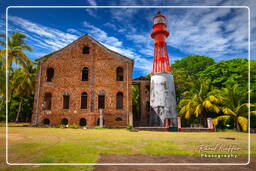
{"points": [[162, 100]]}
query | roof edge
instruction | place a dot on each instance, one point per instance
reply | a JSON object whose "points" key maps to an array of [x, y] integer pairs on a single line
{"points": [[45, 57]]}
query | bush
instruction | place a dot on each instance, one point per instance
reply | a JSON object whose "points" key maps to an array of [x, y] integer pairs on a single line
{"points": [[61, 126], [129, 127], [74, 126]]}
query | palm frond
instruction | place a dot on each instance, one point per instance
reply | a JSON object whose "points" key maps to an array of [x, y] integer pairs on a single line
{"points": [[216, 109], [207, 104], [187, 115], [253, 113], [182, 110], [216, 120], [243, 122], [227, 111], [199, 109], [214, 99]]}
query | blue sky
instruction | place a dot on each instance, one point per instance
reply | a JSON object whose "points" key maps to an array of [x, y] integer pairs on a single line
{"points": [[221, 34]]}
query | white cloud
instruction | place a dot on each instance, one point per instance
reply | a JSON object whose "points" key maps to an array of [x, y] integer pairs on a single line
{"points": [[110, 25], [101, 35], [74, 31], [116, 45], [46, 37], [200, 31], [92, 12], [92, 2], [123, 14]]}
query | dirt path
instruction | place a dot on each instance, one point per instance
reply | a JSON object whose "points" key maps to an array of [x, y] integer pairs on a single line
{"points": [[171, 159]]}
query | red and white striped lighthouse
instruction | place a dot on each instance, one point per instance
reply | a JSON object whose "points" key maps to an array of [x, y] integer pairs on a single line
{"points": [[159, 34], [162, 91]]}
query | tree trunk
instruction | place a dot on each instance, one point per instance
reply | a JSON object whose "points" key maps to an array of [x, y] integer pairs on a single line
{"points": [[10, 102], [238, 127], [236, 124], [26, 118], [2, 103], [18, 114]]}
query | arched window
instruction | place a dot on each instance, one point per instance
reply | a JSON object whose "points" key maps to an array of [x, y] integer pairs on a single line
{"points": [[82, 122], [101, 101], [64, 121], [86, 50], [46, 121], [85, 73], [47, 101], [119, 100], [66, 98], [49, 74], [84, 100], [119, 74], [118, 119]]}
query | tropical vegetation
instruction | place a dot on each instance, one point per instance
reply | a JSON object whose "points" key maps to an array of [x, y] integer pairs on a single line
{"points": [[219, 90], [204, 88], [21, 78]]}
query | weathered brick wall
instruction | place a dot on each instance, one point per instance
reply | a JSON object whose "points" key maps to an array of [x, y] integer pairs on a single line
{"points": [[68, 64], [144, 99]]}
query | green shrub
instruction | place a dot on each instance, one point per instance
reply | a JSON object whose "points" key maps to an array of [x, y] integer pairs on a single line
{"points": [[129, 127], [61, 126], [74, 126]]}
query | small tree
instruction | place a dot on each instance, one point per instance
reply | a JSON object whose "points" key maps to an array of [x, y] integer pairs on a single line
{"points": [[199, 101], [234, 107], [26, 85]]}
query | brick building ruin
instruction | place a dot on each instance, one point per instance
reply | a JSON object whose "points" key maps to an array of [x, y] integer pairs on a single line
{"points": [[141, 112], [75, 83]]}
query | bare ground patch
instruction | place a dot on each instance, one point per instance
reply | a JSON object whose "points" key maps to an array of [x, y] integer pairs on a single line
{"points": [[138, 158]]}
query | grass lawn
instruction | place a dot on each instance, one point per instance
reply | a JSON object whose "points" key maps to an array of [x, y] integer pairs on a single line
{"points": [[56, 145]]}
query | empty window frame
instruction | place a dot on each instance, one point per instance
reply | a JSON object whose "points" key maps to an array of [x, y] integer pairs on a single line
{"points": [[66, 99], [46, 121], [85, 74], [49, 74], [119, 100], [47, 101], [86, 50], [84, 100], [119, 74], [101, 101], [64, 121], [118, 119], [82, 122]]}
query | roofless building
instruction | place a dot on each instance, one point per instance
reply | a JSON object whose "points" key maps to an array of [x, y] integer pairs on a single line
{"points": [[75, 84]]}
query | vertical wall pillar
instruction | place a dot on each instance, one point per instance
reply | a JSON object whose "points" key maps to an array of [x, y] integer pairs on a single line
{"points": [[101, 118], [179, 124], [210, 124]]}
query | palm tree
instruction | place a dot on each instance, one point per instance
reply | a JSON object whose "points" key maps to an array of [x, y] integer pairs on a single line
{"points": [[16, 48], [235, 107], [2, 84], [26, 85], [199, 101]]}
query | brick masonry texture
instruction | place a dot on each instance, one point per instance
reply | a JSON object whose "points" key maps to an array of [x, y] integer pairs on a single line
{"points": [[144, 99], [68, 64]]}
